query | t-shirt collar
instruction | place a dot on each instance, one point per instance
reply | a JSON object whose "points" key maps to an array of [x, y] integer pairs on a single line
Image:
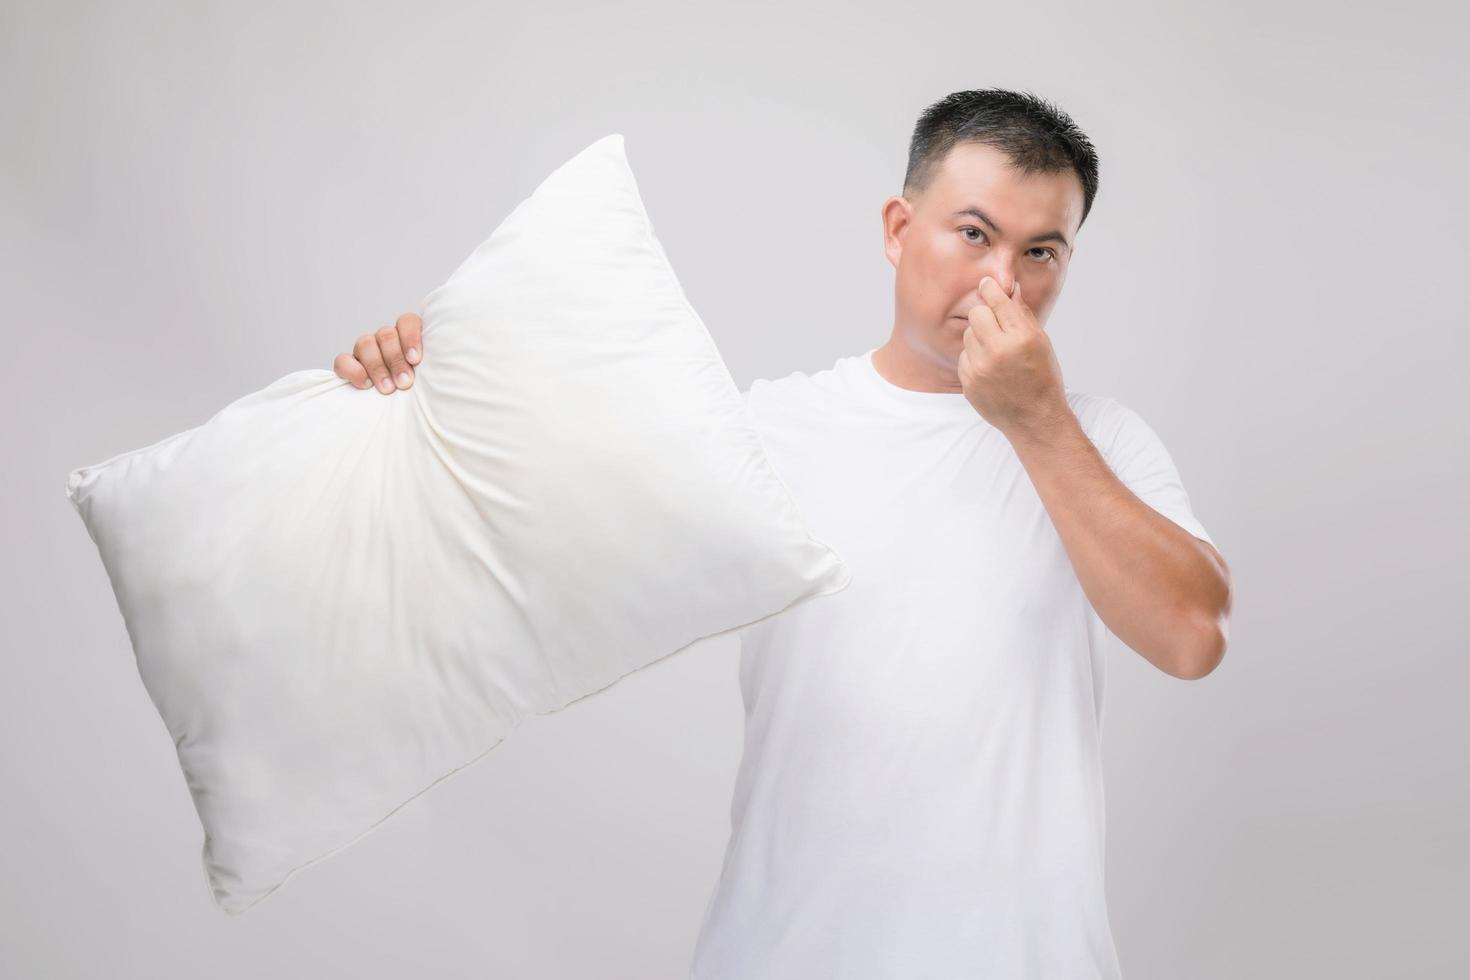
{"points": [[879, 391]]}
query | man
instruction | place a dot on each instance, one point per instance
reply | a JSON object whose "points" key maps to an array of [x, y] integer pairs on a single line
{"points": [[920, 793]]}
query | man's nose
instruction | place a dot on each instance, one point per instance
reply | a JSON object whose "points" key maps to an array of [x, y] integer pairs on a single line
{"points": [[1004, 278], [998, 268]]}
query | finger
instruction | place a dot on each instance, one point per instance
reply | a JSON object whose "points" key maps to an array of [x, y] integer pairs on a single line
{"points": [[974, 347], [1017, 299], [393, 356], [1020, 303], [411, 336], [984, 324], [349, 368], [1006, 313], [366, 350]]}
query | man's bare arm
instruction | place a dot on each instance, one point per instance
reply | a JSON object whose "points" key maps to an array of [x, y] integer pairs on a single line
{"points": [[1161, 590]]}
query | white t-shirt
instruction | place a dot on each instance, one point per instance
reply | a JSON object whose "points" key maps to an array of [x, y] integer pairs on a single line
{"points": [[920, 793]]}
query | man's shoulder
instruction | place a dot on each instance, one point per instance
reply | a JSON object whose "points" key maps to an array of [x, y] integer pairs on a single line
{"points": [[1091, 403], [1098, 414], [1120, 432], [796, 387]]}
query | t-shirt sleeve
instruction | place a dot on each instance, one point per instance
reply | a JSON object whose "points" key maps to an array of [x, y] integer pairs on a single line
{"points": [[1138, 457]]}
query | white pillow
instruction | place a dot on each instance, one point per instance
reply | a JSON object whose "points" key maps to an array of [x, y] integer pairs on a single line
{"points": [[336, 598]]}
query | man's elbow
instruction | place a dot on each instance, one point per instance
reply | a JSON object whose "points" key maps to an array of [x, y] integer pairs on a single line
{"points": [[1211, 636], [1205, 653]]}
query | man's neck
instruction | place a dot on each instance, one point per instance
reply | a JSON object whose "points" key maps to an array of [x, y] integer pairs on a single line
{"points": [[901, 363]]}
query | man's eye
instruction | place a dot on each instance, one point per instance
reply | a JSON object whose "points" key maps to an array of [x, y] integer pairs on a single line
{"points": [[1049, 253]]}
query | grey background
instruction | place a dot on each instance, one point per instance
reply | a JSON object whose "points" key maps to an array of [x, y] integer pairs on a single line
{"points": [[199, 198]]}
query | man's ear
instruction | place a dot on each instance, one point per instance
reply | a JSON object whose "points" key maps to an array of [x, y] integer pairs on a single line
{"points": [[897, 215]]}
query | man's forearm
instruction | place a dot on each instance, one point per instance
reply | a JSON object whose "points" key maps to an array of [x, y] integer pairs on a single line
{"points": [[1161, 590]]}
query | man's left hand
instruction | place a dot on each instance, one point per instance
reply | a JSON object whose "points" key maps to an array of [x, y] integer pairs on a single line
{"points": [[1008, 369]]}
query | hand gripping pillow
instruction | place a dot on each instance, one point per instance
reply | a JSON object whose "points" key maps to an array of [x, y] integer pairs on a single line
{"points": [[337, 599]]}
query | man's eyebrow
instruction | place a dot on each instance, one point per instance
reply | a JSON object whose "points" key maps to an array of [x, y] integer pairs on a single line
{"points": [[1050, 236]]}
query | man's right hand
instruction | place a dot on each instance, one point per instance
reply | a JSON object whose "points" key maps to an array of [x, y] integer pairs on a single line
{"points": [[383, 359]]}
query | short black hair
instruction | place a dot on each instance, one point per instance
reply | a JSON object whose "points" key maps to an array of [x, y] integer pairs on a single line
{"points": [[1035, 135]]}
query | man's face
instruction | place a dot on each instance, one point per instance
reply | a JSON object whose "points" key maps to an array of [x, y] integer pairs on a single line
{"points": [[941, 251]]}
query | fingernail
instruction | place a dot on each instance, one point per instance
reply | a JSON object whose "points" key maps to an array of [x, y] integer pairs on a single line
{"points": [[386, 384], [413, 355], [403, 379]]}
